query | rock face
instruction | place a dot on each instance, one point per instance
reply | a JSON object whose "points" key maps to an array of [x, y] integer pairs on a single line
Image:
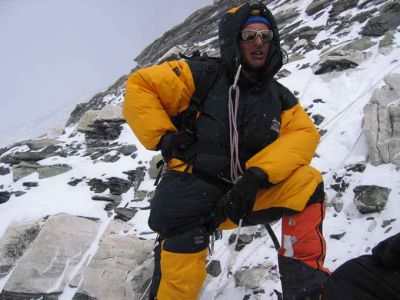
{"points": [[386, 20], [381, 124], [370, 198], [4, 197], [120, 269], [316, 6], [24, 169], [15, 242], [52, 257]]}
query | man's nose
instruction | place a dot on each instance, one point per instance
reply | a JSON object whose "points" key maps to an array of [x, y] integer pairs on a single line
{"points": [[258, 40]]}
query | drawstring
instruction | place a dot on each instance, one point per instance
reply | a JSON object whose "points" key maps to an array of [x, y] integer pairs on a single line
{"points": [[236, 169]]}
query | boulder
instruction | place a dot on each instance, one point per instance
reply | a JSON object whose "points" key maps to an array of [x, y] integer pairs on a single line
{"points": [[24, 169], [31, 156], [253, 277], [370, 198], [360, 44], [153, 170], [393, 81], [316, 6], [125, 213], [35, 145], [4, 171], [120, 269], [381, 124], [334, 63], [15, 242], [110, 113], [87, 120], [387, 42], [126, 150], [386, 20], [53, 258], [214, 268], [339, 6], [4, 197], [53, 170], [118, 186]]}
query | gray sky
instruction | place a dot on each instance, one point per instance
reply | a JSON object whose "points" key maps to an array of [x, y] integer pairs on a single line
{"points": [[56, 53]]}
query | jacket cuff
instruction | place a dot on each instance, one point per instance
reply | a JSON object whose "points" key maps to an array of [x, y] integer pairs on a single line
{"points": [[261, 176]]}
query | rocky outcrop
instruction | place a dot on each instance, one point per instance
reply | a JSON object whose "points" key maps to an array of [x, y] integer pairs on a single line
{"points": [[252, 277], [120, 269], [381, 124], [370, 198], [30, 156], [53, 257], [24, 169], [4, 196], [387, 19], [316, 6], [15, 242], [102, 124]]}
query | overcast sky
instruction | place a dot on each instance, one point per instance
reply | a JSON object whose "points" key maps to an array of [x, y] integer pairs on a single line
{"points": [[56, 53]]}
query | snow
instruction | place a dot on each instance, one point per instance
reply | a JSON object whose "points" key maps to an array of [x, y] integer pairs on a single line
{"points": [[344, 94]]}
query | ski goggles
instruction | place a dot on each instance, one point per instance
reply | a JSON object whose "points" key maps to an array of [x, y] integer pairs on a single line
{"points": [[250, 35]]}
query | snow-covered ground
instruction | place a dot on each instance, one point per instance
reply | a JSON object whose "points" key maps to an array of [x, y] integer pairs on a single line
{"points": [[344, 96]]}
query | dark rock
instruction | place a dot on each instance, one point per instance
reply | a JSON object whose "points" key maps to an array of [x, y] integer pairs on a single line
{"points": [[29, 156], [363, 16], [364, 3], [358, 167], [30, 184], [337, 236], [131, 174], [111, 158], [19, 193], [387, 222], [340, 6], [134, 155], [305, 66], [3, 150], [97, 185], [104, 130], [341, 184], [139, 177], [4, 197], [316, 6], [388, 19], [318, 101], [318, 119], [370, 198], [126, 213], [118, 186], [4, 171], [74, 182], [214, 268], [103, 198], [244, 239], [322, 131], [127, 149], [387, 230], [334, 63]]}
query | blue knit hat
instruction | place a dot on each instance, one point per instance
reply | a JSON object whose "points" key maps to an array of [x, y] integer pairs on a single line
{"points": [[257, 19]]}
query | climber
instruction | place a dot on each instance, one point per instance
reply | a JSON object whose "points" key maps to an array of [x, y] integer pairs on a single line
{"points": [[238, 147]]}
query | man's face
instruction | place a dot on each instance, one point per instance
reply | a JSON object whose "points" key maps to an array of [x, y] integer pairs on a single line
{"points": [[254, 53]]}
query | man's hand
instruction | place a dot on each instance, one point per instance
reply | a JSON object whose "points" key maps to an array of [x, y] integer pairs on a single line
{"points": [[387, 253], [175, 144], [238, 202]]}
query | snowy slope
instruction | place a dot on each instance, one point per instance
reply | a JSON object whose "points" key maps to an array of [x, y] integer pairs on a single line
{"points": [[344, 95]]}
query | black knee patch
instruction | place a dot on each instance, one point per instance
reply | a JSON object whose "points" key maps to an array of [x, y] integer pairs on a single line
{"points": [[191, 241]]}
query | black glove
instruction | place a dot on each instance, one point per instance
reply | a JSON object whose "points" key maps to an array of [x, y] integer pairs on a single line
{"points": [[176, 144], [387, 253], [239, 200]]}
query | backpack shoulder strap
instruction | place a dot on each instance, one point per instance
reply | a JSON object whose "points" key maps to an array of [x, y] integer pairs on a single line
{"points": [[204, 71]]}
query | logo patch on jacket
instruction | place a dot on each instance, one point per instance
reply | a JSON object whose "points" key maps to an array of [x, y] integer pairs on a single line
{"points": [[275, 125]]}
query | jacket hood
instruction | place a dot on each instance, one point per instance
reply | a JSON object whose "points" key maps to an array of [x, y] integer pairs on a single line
{"points": [[229, 30]]}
